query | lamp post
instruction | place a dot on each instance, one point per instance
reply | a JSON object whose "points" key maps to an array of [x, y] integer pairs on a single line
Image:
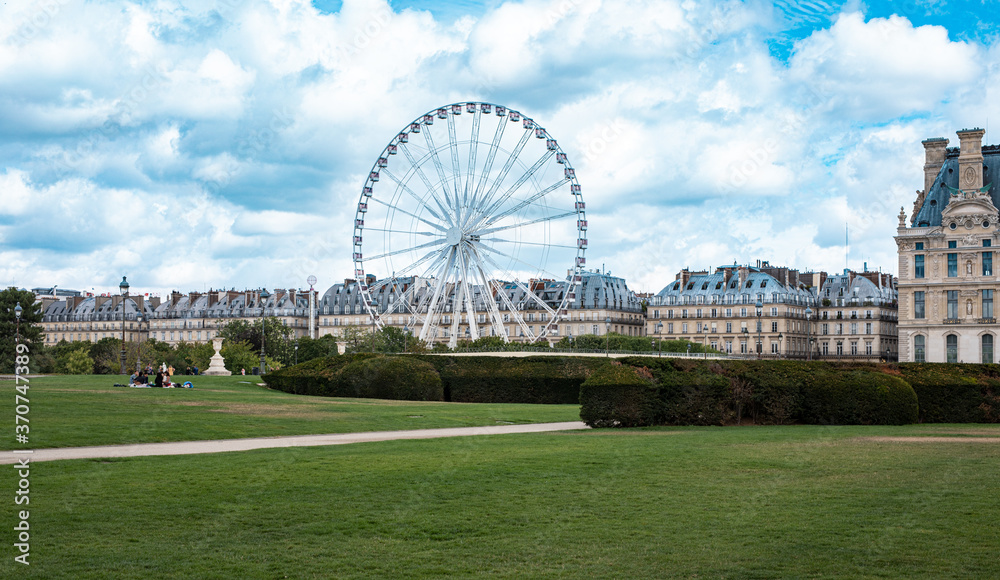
{"points": [[138, 349], [123, 287], [17, 323], [705, 346], [296, 351], [659, 341], [746, 336], [607, 336], [760, 327], [264, 295], [373, 313], [809, 350], [406, 334], [779, 344]]}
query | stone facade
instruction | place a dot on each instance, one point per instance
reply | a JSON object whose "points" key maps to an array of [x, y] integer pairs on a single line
{"points": [[946, 278]]}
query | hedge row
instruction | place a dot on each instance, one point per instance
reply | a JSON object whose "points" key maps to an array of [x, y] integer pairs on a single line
{"points": [[465, 379], [647, 391], [643, 391]]}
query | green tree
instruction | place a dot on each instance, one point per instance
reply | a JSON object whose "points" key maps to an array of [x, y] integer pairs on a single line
{"points": [[78, 362], [29, 329], [277, 337], [240, 356]]}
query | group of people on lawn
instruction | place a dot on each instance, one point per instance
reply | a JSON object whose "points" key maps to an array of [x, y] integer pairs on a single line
{"points": [[162, 380]]}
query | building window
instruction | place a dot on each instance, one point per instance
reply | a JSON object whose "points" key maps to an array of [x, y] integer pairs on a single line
{"points": [[826, 349], [868, 328], [952, 304], [840, 349], [868, 348], [918, 266], [987, 263], [684, 328], [774, 348], [729, 327], [774, 327], [987, 349], [953, 244], [854, 347], [952, 265], [951, 348], [918, 304], [670, 328], [826, 328], [919, 245], [854, 329], [987, 304]]}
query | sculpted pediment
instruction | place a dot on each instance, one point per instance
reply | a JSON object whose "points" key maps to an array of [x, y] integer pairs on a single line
{"points": [[969, 211]]}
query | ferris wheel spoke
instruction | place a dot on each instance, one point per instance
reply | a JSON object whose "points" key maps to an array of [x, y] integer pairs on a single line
{"points": [[520, 261], [470, 302], [521, 285], [501, 292], [431, 254], [517, 184], [456, 171], [413, 194], [427, 184], [490, 302], [440, 171], [440, 284], [525, 224], [525, 243], [490, 158], [404, 250], [511, 159], [473, 148], [490, 220], [408, 233]]}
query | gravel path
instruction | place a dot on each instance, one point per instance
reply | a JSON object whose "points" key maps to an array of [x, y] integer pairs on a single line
{"points": [[224, 445]]}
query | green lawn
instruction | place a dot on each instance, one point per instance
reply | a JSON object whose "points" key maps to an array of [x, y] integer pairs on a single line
{"points": [[87, 410], [751, 502]]}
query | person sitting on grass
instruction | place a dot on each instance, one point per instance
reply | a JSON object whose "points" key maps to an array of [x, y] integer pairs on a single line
{"points": [[142, 379], [132, 379], [159, 379]]}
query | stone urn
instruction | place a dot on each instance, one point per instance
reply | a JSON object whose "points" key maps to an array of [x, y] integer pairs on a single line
{"points": [[217, 365]]}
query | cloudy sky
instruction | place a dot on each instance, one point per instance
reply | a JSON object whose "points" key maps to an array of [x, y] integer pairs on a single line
{"points": [[192, 145]]}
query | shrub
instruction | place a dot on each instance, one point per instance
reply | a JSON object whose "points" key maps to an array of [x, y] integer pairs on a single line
{"points": [[535, 379], [390, 377], [617, 395], [955, 393], [857, 397]]}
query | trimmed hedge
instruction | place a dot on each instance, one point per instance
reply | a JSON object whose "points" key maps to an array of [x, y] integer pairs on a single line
{"points": [[687, 392], [488, 379], [466, 379], [955, 393]]}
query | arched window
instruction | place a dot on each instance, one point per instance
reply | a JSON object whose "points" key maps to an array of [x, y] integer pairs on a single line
{"points": [[987, 349], [951, 348], [918, 349]]}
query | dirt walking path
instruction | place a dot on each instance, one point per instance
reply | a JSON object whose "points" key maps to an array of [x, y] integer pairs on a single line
{"points": [[224, 445]]}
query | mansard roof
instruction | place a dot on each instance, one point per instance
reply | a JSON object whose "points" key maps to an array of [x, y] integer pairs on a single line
{"points": [[939, 195]]}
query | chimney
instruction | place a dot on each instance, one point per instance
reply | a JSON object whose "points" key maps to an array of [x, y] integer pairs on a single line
{"points": [[154, 302], [685, 276], [175, 297], [935, 151], [970, 160], [98, 301]]}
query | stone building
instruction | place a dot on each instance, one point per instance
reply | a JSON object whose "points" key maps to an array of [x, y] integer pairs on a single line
{"points": [[857, 317], [946, 276]]}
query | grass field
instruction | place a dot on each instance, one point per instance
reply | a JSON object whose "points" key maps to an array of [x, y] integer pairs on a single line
{"points": [[87, 410], [750, 502]]}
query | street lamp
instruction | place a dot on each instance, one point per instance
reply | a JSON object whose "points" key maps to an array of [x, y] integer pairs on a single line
{"points": [[406, 334], [607, 336], [746, 336], [373, 313], [296, 351], [809, 351], [659, 341], [123, 287], [138, 349], [760, 327], [779, 344], [705, 346], [264, 295], [17, 324]]}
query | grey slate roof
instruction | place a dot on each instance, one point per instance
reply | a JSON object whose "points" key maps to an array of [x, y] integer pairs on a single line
{"points": [[929, 214]]}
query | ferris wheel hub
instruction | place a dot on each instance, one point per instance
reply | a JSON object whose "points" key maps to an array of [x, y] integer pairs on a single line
{"points": [[453, 237]]}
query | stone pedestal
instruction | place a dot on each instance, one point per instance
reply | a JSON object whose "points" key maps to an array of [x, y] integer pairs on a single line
{"points": [[217, 365]]}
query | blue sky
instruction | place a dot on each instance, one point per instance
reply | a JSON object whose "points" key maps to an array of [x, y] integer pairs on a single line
{"points": [[193, 145]]}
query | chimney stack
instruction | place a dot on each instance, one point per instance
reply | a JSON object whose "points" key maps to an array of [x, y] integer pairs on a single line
{"points": [[970, 160]]}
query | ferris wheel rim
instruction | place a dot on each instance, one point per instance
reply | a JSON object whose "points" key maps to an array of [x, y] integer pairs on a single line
{"points": [[465, 268]]}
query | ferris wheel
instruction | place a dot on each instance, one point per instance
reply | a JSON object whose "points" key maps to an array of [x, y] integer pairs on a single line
{"points": [[471, 223]]}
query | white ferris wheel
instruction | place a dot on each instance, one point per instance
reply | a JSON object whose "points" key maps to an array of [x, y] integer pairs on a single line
{"points": [[471, 223]]}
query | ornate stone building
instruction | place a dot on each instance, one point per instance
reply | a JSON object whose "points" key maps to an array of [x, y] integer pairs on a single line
{"points": [[946, 278]]}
